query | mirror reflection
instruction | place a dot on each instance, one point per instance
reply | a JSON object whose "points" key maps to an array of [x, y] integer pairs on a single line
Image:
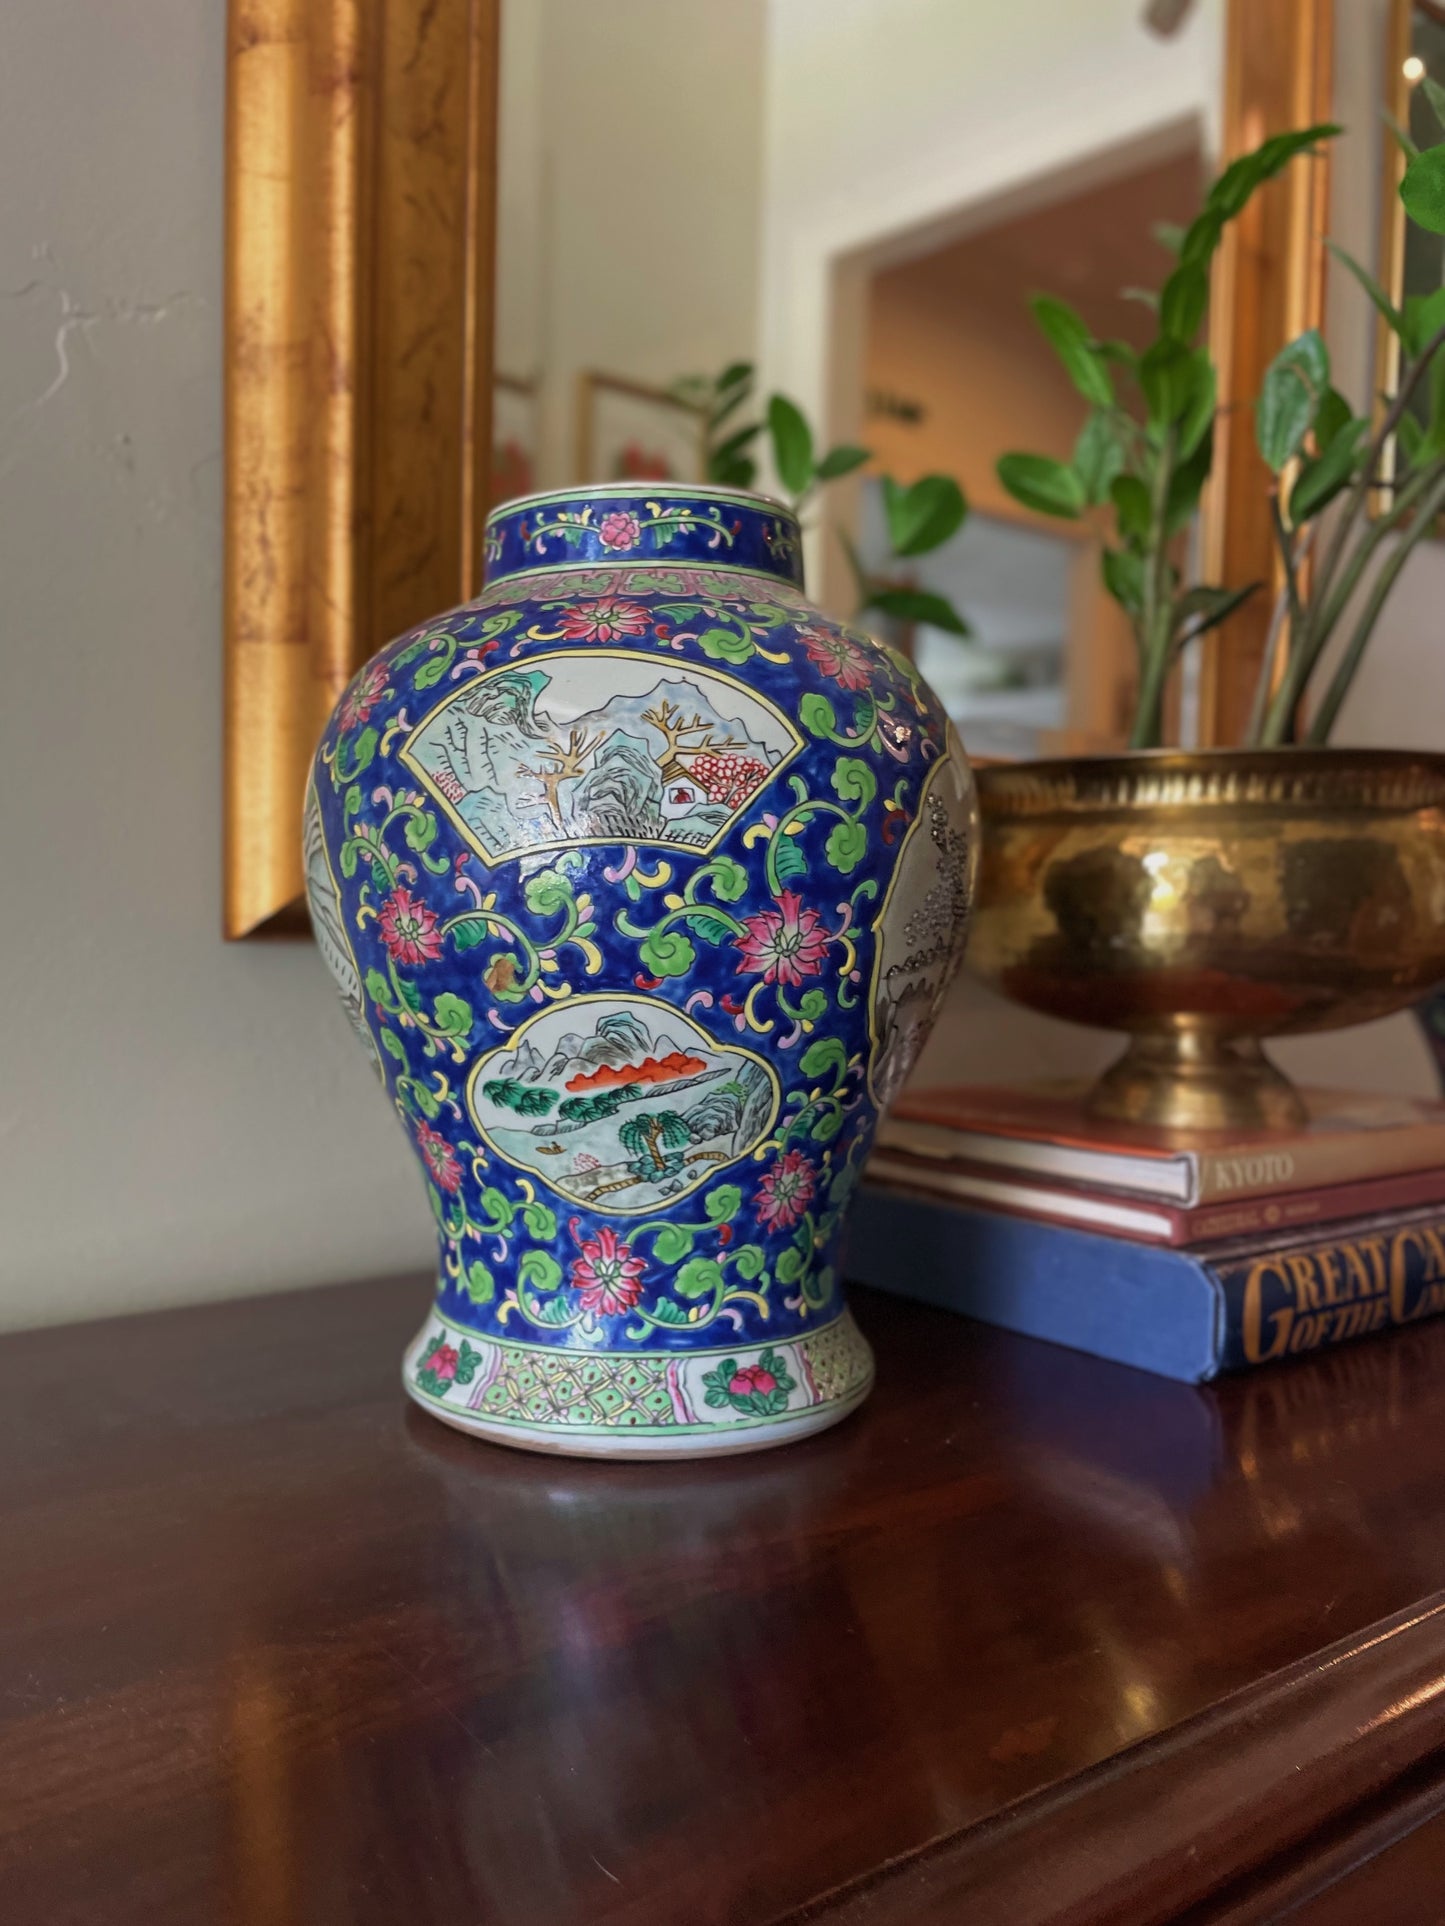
{"points": [[760, 245]]}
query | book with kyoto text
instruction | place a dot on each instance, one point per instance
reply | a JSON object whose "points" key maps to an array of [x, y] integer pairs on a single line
{"points": [[1041, 1131], [1183, 1314], [1154, 1220]]}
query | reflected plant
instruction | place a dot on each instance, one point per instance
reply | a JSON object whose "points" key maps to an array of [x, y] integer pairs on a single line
{"points": [[1318, 450], [919, 517], [1146, 448]]}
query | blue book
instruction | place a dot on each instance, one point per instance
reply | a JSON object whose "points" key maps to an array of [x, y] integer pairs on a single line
{"points": [[1184, 1314]]}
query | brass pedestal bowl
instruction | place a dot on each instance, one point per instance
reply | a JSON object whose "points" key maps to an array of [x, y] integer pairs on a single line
{"points": [[1203, 901]]}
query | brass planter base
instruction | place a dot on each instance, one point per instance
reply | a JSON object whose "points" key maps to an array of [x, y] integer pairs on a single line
{"points": [[1186, 1080], [1203, 902]]}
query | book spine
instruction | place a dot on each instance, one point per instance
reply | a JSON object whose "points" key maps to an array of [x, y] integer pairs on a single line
{"points": [[1348, 1156], [1314, 1293]]}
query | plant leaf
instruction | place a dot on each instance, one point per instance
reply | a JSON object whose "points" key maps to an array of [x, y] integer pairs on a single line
{"points": [[1331, 415], [1131, 504], [1295, 383], [1320, 480], [1038, 481], [1205, 608], [1435, 94], [1168, 234], [841, 460], [792, 444], [1098, 454], [1198, 417], [1123, 578], [1371, 286], [919, 605], [1187, 484], [1182, 304], [1239, 180], [1201, 238], [732, 471], [739, 440], [1168, 376], [1423, 190], [1075, 347], [923, 516], [1424, 316], [1434, 441]]}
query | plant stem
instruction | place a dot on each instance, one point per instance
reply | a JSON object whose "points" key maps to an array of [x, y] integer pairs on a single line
{"points": [[1156, 617], [1325, 614], [1384, 582], [1282, 606], [1394, 415]]}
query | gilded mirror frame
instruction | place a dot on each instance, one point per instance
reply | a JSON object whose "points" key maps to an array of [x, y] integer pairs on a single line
{"points": [[360, 211]]}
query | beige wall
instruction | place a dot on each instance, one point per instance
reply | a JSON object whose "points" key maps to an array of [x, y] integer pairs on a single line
{"points": [[650, 136], [179, 1119]]}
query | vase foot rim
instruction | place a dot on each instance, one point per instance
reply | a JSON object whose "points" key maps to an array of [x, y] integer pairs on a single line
{"points": [[645, 1445], [658, 1404]]}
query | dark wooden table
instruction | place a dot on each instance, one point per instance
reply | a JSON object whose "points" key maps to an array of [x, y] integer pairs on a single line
{"points": [[1033, 1638]]}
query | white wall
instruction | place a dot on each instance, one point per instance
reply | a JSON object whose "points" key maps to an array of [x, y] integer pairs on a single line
{"points": [[179, 1118], [882, 118], [651, 138]]}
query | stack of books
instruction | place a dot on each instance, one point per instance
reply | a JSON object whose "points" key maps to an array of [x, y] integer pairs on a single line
{"points": [[1186, 1256]]}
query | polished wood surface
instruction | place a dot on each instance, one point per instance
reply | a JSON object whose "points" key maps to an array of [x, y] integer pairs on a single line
{"points": [[1032, 1638]]}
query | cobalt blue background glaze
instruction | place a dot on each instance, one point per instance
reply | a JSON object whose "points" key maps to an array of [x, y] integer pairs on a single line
{"points": [[642, 880]]}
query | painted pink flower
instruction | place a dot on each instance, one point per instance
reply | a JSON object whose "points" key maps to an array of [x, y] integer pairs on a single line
{"points": [[619, 530], [362, 697], [409, 929], [439, 1157], [605, 620], [783, 945], [839, 656], [607, 1275], [751, 1377], [786, 1190], [442, 1361]]}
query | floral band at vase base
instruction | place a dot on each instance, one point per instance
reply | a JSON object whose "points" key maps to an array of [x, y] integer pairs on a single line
{"points": [[649, 1403]]}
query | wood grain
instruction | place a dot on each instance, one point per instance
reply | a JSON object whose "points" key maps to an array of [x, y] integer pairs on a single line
{"points": [[1032, 1637]]}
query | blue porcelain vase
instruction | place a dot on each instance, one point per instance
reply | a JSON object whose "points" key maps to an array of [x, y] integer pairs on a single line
{"points": [[642, 880]]}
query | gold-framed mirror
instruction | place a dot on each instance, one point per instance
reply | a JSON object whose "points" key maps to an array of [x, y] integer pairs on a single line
{"points": [[368, 152]]}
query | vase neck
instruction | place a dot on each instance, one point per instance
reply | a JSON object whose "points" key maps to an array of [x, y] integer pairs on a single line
{"points": [[661, 525]]}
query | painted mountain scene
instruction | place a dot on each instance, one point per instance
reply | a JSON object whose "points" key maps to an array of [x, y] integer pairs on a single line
{"points": [[621, 1103], [598, 747]]}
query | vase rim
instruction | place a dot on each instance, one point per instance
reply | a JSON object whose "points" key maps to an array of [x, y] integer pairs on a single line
{"points": [[656, 525], [625, 490]]}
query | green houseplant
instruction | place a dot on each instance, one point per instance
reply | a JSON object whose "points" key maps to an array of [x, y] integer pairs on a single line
{"points": [[919, 516], [1201, 902]]}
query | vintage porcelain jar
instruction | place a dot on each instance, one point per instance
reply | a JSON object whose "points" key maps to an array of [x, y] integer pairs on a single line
{"points": [[642, 881]]}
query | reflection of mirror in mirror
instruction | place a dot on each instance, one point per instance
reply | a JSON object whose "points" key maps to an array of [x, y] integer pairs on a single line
{"points": [[1412, 259], [666, 209]]}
